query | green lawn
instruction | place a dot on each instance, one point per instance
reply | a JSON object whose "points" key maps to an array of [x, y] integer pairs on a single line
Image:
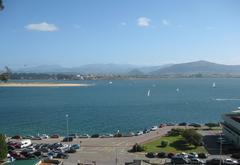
{"points": [[176, 144]]}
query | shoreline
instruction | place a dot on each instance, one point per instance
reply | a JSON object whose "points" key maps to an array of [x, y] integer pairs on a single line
{"points": [[40, 84]]}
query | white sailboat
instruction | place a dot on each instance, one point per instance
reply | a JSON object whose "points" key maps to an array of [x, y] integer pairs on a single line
{"points": [[214, 85], [148, 93]]}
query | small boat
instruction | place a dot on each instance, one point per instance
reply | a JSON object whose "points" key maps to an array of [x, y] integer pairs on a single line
{"points": [[148, 93], [110, 82], [214, 85], [177, 90]]}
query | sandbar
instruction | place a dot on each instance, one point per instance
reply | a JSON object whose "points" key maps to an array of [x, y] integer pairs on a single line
{"points": [[41, 84]]}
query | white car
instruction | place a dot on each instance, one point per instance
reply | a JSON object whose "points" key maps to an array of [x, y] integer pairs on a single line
{"points": [[154, 128], [139, 133], [230, 161]]}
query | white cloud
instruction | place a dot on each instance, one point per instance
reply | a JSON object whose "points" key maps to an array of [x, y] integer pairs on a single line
{"points": [[44, 27], [124, 23], [165, 22], [143, 21]]}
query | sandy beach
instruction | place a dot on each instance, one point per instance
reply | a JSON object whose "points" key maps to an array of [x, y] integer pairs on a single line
{"points": [[40, 84]]}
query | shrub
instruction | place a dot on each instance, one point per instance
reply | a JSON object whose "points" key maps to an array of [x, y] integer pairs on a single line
{"points": [[3, 147], [137, 148], [164, 143], [212, 125], [175, 132]]}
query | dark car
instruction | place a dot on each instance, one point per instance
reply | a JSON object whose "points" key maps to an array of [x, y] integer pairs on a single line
{"points": [[170, 155], [195, 125], [16, 137], [214, 161], [179, 160], [55, 136], [61, 155], [202, 155], [68, 139], [151, 155], [161, 155], [74, 135], [183, 124], [71, 150]]}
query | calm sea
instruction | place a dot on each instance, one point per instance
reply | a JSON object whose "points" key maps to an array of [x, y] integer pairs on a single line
{"points": [[122, 105]]}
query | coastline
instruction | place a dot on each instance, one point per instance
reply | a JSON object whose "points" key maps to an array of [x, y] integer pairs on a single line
{"points": [[40, 84]]}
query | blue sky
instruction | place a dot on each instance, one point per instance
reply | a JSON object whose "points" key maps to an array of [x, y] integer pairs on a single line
{"points": [[142, 32]]}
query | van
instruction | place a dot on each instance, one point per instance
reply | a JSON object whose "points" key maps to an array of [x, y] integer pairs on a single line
{"points": [[25, 143]]}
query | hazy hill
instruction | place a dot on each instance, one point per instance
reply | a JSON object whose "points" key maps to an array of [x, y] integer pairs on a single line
{"points": [[198, 67]]}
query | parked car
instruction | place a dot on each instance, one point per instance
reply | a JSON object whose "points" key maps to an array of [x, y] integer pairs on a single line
{"points": [[84, 136], [61, 155], [230, 162], [197, 161], [179, 160], [67, 139], [146, 130], [161, 155], [151, 155], [202, 155], [192, 155], [73, 135], [170, 124], [55, 136], [16, 137], [195, 125], [154, 128], [139, 133], [183, 124], [44, 136], [162, 125], [70, 150], [75, 146], [170, 155], [214, 161]]}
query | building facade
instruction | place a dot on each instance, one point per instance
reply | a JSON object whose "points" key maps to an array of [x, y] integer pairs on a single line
{"points": [[231, 127]]}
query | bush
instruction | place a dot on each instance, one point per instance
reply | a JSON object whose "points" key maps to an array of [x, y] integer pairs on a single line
{"points": [[95, 136], [175, 132], [212, 125], [137, 148], [164, 143], [3, 147]]}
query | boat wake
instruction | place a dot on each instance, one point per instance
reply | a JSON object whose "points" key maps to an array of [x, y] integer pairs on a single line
{"points": [[227, 99]]}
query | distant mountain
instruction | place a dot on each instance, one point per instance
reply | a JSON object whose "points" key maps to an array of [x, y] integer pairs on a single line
{"points": [[135, 72], [204, 67], [85, 69], [198, 67], [42, 69]]}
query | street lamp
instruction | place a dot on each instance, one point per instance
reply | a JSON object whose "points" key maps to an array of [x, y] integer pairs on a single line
{"points": [[67, 127]]}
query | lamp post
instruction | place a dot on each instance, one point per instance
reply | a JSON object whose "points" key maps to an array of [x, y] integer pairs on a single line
{"points": [[67, 127]]}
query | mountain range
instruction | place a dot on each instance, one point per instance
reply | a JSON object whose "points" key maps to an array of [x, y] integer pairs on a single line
{"points": [[195, 67]]}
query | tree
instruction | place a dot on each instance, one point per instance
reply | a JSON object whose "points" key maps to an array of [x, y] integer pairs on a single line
{"points": [[192, 137], [1, 5], [137, 148], [3, 147]]}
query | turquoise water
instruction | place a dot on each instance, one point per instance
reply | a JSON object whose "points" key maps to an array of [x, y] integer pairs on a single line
{"points": [[123, 105]]}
